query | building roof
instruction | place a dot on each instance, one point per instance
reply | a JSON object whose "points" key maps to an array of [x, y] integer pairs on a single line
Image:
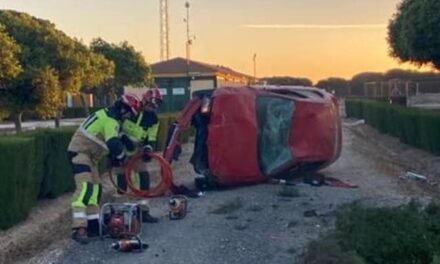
{"points": [[178, 66]]}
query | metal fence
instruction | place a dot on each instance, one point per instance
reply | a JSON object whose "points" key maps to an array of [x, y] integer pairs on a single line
{"points": [[398, 88]]}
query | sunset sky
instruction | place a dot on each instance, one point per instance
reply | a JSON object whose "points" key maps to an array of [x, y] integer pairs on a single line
{"points": [[303, 38]]}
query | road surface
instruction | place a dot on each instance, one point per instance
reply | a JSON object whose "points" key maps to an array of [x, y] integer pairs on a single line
{"points": [[265, 227]]}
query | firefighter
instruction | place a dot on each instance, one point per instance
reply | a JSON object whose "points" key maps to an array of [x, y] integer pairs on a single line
{"points": [[96, 137], [140, 133]]}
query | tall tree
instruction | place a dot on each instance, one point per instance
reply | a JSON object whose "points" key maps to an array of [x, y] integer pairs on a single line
{"points": [[414, 32], [9, 67], [337, 85], [9, 64], [287, 80], [47, 92], [96, 72], [411, 75], [357, 83], [130, 65], [42, 46], [47, 52]]}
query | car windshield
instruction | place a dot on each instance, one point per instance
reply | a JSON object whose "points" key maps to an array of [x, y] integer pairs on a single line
{"points": [[274, 121]]}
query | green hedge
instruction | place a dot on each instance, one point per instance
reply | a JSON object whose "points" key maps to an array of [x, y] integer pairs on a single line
{"points": [[53, 166], [416, 127], [57, 177], [19, 184]]}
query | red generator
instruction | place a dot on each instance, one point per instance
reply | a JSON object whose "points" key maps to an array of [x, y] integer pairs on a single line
{"points": [[249, 134]]}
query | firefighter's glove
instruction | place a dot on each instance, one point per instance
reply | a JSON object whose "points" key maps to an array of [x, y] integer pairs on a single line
{"points": [[128, 143], [147, 150], [118, 161]]}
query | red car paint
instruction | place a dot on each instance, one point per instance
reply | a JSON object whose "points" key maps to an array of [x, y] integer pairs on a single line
{"points": [[234, 142], [232, 137]]}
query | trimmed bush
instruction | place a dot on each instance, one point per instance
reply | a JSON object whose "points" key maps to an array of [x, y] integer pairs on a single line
{"points": [[406, 234], [409, 118], [415, 127], [19, 182], [429, 132], [52, 164], [391, 125], [58, 176]]}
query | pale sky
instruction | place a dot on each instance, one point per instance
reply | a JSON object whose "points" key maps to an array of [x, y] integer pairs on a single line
{"points": [[302, 38]]}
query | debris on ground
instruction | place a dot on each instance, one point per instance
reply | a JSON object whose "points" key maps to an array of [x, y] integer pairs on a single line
{"points": [[310, 213], [355, 123], [414, 176]]}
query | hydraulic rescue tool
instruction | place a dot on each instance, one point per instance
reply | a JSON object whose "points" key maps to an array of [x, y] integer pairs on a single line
{"points": [[178, 207], [129, 244]]}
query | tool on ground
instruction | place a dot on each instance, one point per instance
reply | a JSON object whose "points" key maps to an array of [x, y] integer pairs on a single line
{"points": [[120, 220], [178, 207], [133, 243]]}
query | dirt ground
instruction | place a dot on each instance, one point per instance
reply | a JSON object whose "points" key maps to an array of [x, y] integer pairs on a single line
{"points": [[260, 224]]}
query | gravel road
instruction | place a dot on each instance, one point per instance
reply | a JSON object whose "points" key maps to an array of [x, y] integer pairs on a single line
{"points": [[264, 227]]}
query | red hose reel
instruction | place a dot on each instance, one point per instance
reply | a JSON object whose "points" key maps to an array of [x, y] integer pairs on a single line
{"points": [[165, 172]]}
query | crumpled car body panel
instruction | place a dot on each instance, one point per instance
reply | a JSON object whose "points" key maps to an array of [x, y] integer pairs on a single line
{"points": [[258, 133]]}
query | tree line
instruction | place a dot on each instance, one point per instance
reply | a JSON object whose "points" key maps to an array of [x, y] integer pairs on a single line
{"points": [[355, 85], [40, 65]]}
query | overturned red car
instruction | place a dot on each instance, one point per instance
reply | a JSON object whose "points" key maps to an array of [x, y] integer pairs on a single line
{"points": [[251, 134]]}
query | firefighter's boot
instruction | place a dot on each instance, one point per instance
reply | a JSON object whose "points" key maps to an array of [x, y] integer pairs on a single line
{"points": [[80, 235], [148, 218]]}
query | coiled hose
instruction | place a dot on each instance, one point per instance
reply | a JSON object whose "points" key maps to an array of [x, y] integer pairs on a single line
{"points": [[164, 185]]}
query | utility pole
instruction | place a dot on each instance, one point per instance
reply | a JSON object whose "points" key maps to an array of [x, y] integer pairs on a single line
{"points": [[164, 31], [255, 67], [188, 43], [189, 38]]}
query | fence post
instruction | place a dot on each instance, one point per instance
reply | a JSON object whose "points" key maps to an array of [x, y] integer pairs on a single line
{"points": [[407, 89]]}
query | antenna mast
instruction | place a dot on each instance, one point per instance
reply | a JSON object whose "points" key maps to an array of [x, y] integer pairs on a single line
{"points": [[164, 31]]}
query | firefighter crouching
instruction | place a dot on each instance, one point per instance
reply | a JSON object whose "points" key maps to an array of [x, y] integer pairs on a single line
{"points": [[140, 134], [96, 137]]}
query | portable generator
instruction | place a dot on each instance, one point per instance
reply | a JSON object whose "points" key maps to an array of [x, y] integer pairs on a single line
{"points": [[120, 220]]}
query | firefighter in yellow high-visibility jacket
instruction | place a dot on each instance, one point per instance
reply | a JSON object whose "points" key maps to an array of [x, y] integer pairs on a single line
{"points": [[141, 133], [97, 136]]}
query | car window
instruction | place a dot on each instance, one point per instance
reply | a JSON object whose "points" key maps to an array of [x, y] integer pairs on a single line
{"points": [[274, 117]]}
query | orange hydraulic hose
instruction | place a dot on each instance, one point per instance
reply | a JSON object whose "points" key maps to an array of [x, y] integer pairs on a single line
{"points": [[159, 190]]}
